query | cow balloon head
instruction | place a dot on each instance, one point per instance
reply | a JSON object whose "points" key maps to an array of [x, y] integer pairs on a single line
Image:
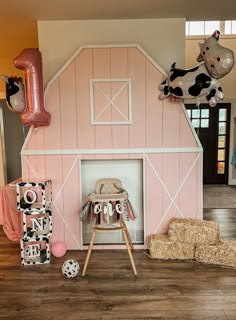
{"points": [[219, 60]]}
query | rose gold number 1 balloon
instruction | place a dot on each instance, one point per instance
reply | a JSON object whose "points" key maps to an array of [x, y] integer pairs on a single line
{"points": [[30, 61]]}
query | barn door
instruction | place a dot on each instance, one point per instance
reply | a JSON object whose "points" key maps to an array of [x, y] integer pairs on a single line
{"points": [[213, 128]]}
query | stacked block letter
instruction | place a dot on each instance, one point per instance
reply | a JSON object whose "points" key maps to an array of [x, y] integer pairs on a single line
{"points": [[34, 200]]}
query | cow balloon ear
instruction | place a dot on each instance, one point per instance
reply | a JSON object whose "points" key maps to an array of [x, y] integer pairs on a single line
{"points": [[5, 78], [216, 34], [200, 58]]}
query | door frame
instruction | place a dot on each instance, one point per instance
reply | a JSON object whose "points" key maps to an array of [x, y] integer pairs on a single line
{"points": [[229, 124]]}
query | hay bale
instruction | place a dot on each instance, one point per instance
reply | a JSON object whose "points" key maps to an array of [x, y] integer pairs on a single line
{"points": [[194, 231], [161, 247], [223, 254]]}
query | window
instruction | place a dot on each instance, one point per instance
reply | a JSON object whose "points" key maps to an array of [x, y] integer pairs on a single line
{"points": [[194, 28], [199, 118], [221, 140], [230, 27]]}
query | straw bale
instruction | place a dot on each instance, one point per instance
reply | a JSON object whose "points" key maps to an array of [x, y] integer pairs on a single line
{"points": [[161, 247], [223, 254], [194, 231]]}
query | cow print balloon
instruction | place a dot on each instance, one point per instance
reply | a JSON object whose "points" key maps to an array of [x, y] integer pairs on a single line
{"points": [[70, 268]]}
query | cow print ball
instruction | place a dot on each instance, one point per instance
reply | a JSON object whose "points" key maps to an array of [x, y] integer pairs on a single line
{"points": [[70, 268]]}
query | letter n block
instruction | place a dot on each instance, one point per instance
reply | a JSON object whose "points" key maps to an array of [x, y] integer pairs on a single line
{"points": [[37, 224]]}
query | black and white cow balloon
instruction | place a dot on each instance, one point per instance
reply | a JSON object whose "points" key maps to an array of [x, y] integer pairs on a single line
{"points": [[15, 93], [202, 80]]}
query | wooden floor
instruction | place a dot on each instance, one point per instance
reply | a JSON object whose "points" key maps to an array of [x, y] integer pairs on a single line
{"points": [[162, 290], [226, 219]]}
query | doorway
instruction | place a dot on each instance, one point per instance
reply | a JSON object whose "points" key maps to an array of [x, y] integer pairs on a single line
{"points": [[130, 172], [212, 125]]}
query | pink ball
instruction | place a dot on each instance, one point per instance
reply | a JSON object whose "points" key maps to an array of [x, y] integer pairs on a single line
{"points": [[58, 249]]}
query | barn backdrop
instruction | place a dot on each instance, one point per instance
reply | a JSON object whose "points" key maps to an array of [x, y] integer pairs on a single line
{"points": [[107, 121]]}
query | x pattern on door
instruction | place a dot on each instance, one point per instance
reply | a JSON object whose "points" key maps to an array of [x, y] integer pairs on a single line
{"points": [[125, 113], [174, 197]]}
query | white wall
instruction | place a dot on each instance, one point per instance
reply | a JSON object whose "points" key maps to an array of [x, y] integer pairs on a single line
{"points": [[163, 39], [228, 84]]}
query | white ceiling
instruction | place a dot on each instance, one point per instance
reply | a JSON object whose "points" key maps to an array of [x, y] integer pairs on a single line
{"points": [[117, 9]]}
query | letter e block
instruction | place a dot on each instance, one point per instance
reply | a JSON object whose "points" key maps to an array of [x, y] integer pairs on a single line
{"points": [[35, 251]]}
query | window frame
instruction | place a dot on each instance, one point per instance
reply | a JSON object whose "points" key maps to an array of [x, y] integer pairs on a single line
{"points": [[221, 28]]}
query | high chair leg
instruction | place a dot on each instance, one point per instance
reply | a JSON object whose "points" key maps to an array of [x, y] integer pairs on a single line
{"points": [[128, 235], [89, 252], [129, 252]]}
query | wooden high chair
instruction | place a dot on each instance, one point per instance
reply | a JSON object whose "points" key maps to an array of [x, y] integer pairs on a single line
{"points": [[109, 191]]}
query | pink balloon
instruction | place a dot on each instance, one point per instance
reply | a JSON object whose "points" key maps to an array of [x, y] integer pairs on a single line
{"points": [[58, 249], [30, 61]]}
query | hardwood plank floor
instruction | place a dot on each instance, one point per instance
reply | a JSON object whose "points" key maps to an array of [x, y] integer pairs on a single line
{"points": [[163, 289], [226, 219]]}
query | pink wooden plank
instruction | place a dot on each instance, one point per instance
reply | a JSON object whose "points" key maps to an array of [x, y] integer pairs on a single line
{"points": [[102, 70], [187, 138], [171, 123], [120, 95], [153, 192], [54, 172], [68, 108], [25, 169], [53, 132], [119, 69], [136, 66], [154, 107], [84, 72], [186, 162], [171, 181], [36, 140], [34, 170], [190, 195], [37, 167], [102, 105], [119, 63], [171, 176], [71, 196]]}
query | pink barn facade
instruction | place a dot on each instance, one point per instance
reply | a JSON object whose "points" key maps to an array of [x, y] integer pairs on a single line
{"points": [[104, 105]]}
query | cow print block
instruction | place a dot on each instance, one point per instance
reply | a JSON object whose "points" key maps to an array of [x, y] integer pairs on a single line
{"points": [[35, 251], [37, 224], [32, 196]]}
